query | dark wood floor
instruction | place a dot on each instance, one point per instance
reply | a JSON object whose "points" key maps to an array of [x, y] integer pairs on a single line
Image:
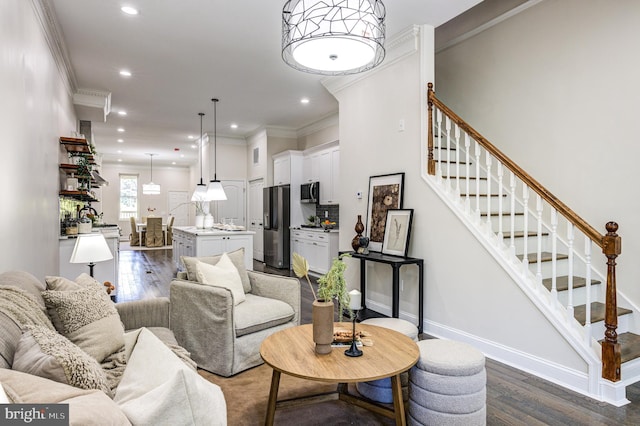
{"points": [[513, 397]]}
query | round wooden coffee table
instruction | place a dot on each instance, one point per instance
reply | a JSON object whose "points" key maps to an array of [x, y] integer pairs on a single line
{"points": [[292, 352]]}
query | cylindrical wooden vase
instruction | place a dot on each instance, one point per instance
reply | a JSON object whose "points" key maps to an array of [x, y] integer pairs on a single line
{"points": [[322, 320], [355, 243]]}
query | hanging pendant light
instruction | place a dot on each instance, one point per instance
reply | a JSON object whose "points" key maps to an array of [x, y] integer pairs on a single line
{"points": [[215, 191], [151, 188], [333, 37], [200, 193]]}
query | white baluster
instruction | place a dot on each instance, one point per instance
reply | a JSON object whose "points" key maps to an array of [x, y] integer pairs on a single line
{"points": [[570, 271], [457, 144], [554, 251], [488, 163], [500, 191], [512, 182], [539, 247], [439, 162], [525, 254], [477, 155], [467, 147], [447, 124], [587, 257]]}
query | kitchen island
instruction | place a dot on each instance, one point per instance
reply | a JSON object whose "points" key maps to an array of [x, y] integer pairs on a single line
{"points": [[198, 242]]}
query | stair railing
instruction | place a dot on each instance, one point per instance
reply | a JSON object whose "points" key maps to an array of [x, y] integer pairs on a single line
{"points": [[610, 243]]}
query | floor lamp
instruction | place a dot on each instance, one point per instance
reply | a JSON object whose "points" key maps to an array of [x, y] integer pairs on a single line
{"points": [[90, 248]]}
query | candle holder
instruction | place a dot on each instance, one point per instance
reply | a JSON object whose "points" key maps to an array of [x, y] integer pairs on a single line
{"points": [[353, 351]]}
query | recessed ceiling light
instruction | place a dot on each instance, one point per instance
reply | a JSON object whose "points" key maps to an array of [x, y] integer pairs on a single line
{"points": [[120, 129], [119, 151], [181, 155], [120, 140], [125, 73], [120, 159], [129, 10], [234, 126], [304, 100], [122, 112], [194, 146], [190, 137], [173, 162]]}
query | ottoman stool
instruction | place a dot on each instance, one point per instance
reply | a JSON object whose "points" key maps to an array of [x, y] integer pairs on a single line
{"points": [[447, 387], [380, 390]]}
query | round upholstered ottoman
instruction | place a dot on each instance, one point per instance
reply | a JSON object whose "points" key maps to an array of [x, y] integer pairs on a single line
{"points": [[380, 390], [447, 386]]}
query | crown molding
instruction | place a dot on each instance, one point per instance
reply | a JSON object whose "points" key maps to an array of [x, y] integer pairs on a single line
{"points": [[398, 47], [281, 132], [93, 100], [324, 123], [53, 35]]}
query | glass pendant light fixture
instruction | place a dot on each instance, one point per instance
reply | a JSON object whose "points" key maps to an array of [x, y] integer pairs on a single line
{"points": [[200, 193], [151, 188], [215, 191], [333, 37]]}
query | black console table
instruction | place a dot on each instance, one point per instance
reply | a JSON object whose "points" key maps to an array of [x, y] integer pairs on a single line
{"points": [[396, 262]]}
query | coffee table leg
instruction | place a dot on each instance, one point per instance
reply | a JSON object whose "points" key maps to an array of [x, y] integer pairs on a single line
{"points": [[273, 398], [398, 404]]}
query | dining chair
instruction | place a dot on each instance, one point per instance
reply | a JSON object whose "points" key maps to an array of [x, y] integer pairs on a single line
{"points": [[155, 234], [134, 237], [170, 230]]}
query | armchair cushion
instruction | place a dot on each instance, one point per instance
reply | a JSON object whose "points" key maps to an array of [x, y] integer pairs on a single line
{"points": [[144, 313], [236, 256], [223, 274], [259, 313]]}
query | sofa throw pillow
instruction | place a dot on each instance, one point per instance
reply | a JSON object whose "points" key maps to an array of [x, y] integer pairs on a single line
{"points": [[88, 318], [45, 353], [236, 256], [61, 284], [166, 391], [223, 274]]}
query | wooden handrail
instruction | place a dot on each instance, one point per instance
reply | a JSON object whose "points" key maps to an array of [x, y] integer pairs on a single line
{"points": [[562, 208], [610, 243]]}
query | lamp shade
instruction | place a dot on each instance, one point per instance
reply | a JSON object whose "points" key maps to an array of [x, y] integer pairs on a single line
{"points": [[90, 248], [200, 193], [215, 191], [151, 188], [333, 37]]}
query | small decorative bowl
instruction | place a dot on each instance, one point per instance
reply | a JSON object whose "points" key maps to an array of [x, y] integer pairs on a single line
{"points": [[327, 226]]}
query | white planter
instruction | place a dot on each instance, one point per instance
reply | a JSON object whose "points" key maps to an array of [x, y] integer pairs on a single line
{"points": [[200, 221], [208, 221]]}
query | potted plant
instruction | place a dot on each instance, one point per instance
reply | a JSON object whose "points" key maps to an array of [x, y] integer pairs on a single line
{"points": [[331, 285]]}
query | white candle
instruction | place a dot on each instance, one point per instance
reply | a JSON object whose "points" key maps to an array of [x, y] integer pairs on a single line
{"points": [[355, 300]]}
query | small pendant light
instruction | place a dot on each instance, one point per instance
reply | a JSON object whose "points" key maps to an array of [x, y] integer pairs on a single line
{"points": [[200, 193], [215, 191], [151, 188]]}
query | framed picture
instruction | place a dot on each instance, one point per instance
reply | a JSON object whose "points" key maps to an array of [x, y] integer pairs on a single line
{"points": [[397, 232], [385, 192]]}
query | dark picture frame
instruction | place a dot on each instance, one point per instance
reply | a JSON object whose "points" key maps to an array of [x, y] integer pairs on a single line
{"points": [[397, 232], [385, 192]]}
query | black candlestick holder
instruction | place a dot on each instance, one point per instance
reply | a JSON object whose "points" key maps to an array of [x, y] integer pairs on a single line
{"points": [[353, 350]]}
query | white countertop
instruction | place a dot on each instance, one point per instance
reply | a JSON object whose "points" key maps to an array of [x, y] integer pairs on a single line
{"points": [[299, 228], [210, 231]]}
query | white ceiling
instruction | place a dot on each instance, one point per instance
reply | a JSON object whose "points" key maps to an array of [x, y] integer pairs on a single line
{"points": [[183, 53]]}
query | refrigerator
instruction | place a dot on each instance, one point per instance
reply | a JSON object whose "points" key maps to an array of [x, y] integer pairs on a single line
{"points": [[276, 211]]}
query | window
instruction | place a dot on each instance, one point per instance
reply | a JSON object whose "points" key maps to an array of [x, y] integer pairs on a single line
{"points": [[128, 196]]}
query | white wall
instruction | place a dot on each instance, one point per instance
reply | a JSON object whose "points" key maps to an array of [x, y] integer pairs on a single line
{"points": [[466, 292], [258, 170], [35, 110], [556, 88]]}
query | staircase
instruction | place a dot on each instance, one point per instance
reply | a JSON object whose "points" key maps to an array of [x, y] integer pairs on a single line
{"points": [[545, 247]]}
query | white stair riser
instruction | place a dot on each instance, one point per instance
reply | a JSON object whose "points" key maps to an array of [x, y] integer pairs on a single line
{"points": [[532, 243], [598, 328], [580, 295]]}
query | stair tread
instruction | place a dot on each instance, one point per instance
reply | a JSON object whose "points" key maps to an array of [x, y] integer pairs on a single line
{"points": [[562, 282], [545, 256], [597, 312], [482, 195], [464, 177], [450, 161], [520, 234], [503, 214], [629, 346]]}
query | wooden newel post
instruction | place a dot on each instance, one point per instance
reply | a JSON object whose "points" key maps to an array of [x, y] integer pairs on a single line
{"points": [[611, 247], [431, 164]]}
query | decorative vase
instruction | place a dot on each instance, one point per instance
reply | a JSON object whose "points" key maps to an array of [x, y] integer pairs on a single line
{"points": [[355, 243], [199, 221], [322, 320], [208, 221]]}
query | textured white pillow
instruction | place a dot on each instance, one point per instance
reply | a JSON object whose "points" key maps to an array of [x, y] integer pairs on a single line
{"points": [[223, 274], [166, 391]]}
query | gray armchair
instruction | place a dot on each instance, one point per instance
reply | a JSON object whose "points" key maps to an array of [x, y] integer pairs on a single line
{"points": [[225, 339]]}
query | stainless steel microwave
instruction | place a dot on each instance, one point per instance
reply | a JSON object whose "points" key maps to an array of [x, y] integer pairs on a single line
{"points": [[310, 192]]}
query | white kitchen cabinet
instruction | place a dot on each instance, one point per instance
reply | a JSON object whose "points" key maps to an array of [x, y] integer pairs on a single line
{"points": [[311, 168], [324, 166], [192, 241], [287, 168], [317, 246]]}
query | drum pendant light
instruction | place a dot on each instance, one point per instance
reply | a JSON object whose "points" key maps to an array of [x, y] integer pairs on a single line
{"points": [[215, 191], [151, 188], [200, 193]]}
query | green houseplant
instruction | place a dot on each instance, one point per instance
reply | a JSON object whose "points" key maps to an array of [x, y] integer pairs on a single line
{"points": [[331, 285]]}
